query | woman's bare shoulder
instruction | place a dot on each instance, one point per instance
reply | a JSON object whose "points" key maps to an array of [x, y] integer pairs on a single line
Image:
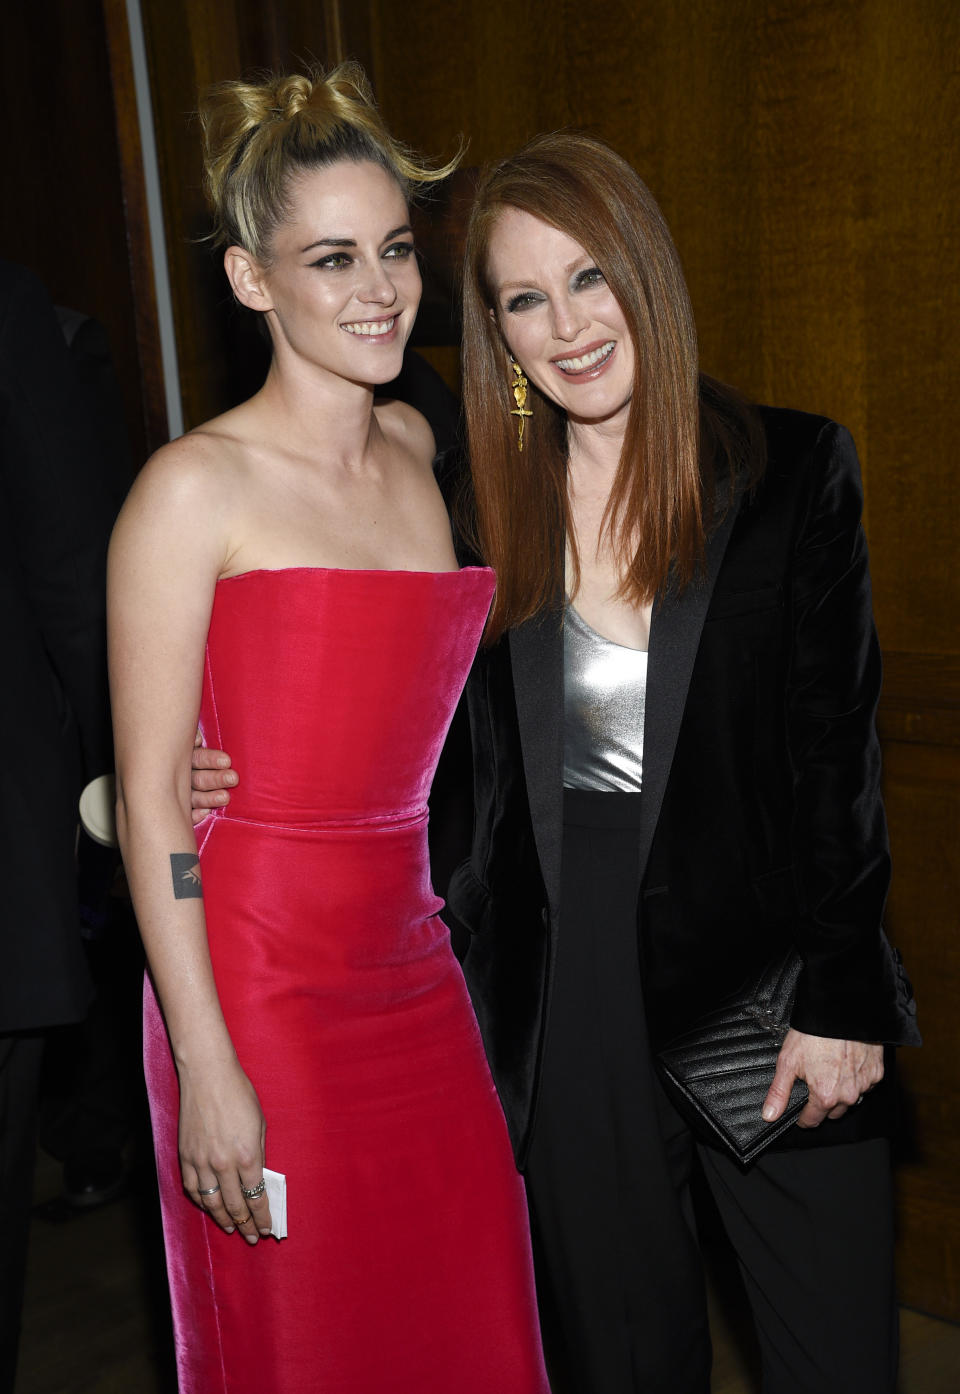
{"points": [[186, 499], [407, 429], [200, 466]]}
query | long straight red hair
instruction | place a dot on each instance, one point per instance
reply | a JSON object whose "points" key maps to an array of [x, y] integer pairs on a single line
{"points": [[661, 493]]}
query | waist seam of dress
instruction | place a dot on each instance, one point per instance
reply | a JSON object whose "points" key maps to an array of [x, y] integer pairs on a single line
{"points": [[396, 821]]}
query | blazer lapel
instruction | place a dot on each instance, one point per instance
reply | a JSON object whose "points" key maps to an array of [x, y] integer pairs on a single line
{"points": [[675, 630], [536, 656]]}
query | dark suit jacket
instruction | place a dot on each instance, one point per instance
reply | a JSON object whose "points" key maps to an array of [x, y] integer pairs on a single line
{"points": [[762, 822], [55, 517]]}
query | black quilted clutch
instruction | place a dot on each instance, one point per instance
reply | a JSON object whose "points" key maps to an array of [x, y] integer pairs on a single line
{"points": [[718, 1071]]}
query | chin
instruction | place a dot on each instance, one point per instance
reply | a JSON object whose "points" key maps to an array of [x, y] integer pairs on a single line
{"points": [[598, 413]]}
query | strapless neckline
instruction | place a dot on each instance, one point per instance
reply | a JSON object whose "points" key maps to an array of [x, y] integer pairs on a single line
{"points": [[348, 571], [333, 662]]}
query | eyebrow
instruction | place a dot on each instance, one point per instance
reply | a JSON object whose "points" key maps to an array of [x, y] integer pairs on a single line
{"points": [[570, 268], [351, 242]]}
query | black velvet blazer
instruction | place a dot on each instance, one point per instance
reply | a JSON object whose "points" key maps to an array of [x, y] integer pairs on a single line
{"points": [[762, 822]]}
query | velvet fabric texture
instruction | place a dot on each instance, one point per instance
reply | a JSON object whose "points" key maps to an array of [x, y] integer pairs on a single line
{"points": [[762, 823], [407, 1266]]}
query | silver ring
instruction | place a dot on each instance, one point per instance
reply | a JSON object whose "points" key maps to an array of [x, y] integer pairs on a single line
{"points": [[209, 1191], [257, 1190]]}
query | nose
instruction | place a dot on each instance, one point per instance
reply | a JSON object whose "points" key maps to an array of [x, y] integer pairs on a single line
{"points": [[569, 319], [377, 288]]}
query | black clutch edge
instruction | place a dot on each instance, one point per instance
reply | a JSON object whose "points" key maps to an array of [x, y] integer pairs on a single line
{"points": [[712, 1133]]}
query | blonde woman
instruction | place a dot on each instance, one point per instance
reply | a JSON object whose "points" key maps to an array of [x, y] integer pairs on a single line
{"points": [[287, 571]]}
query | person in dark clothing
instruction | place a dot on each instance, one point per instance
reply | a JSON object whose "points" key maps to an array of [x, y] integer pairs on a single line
{"points": [[55, 520]]}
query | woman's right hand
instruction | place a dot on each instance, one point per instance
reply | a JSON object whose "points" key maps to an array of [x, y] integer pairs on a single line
{"points": [[211, 777], [222, 1132]]}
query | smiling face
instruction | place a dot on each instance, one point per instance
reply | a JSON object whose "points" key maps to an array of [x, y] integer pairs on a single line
{"points": [[342, 288], [560, 319]]}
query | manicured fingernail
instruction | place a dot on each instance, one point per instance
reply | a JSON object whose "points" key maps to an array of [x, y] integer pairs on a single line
{"points": [[266, 1233], [769, 1113], [229, 1229], [223, 762], [221, 798], [251, 1238], [230, 778]]}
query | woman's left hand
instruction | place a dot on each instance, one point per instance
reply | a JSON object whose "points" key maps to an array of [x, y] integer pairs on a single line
{"points": [[837, 1074]]}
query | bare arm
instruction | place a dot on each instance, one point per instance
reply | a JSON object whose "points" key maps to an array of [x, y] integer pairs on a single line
{"points": [[162, 572]]}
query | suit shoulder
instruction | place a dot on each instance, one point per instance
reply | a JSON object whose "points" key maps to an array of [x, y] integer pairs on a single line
{"points": [[17, 280], [801, 443], [790, 431], [29, 329]]}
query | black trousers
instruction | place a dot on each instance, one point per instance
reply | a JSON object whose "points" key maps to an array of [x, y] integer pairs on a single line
{"points": [[619, 1275], [21, 1056]]}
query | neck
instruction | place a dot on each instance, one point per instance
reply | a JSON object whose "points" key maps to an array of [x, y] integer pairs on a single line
{"points": [[319, 411], [593, 457]]}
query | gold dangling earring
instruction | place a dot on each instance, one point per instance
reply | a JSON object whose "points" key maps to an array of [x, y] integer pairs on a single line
{"points": [[519, 386]]}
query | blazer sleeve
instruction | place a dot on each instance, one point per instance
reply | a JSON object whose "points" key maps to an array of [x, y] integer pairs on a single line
{"points": [[852, 986], [57, 501]]}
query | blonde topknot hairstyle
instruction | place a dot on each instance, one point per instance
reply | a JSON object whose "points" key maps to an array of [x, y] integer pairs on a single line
{"points": [[258, 135]]}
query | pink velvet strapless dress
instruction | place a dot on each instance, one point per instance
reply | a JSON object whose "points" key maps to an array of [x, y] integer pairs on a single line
{"points": [[407, 1268]]}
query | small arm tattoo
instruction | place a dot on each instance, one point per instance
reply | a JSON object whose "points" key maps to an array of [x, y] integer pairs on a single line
{"points": [[185, 870]]}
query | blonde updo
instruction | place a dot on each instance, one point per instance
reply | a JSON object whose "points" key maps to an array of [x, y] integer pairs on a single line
{"points": [[258, 136]]}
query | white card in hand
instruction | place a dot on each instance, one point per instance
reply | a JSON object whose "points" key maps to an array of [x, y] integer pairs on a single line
{"points": [[277, 1197]]}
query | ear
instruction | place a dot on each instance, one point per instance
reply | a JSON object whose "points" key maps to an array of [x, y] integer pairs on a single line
{"points": [[247, 279]]}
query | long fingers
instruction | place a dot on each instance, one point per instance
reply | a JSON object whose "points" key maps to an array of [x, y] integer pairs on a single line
{"points": [[244, 1221], [204, 1189], [224, 1200], [207, 790], [203, 777], [210, 777], [254, 1191]]}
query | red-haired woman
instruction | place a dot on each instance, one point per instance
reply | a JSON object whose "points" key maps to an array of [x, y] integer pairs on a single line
{"points": [[682, 608], [683, 605]]}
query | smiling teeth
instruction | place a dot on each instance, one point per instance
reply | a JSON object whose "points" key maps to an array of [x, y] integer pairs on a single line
{"points": [[370, 328], [589, 360]]}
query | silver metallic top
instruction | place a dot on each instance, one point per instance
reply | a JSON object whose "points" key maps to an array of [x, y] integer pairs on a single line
{"points": [[604, 695]]}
